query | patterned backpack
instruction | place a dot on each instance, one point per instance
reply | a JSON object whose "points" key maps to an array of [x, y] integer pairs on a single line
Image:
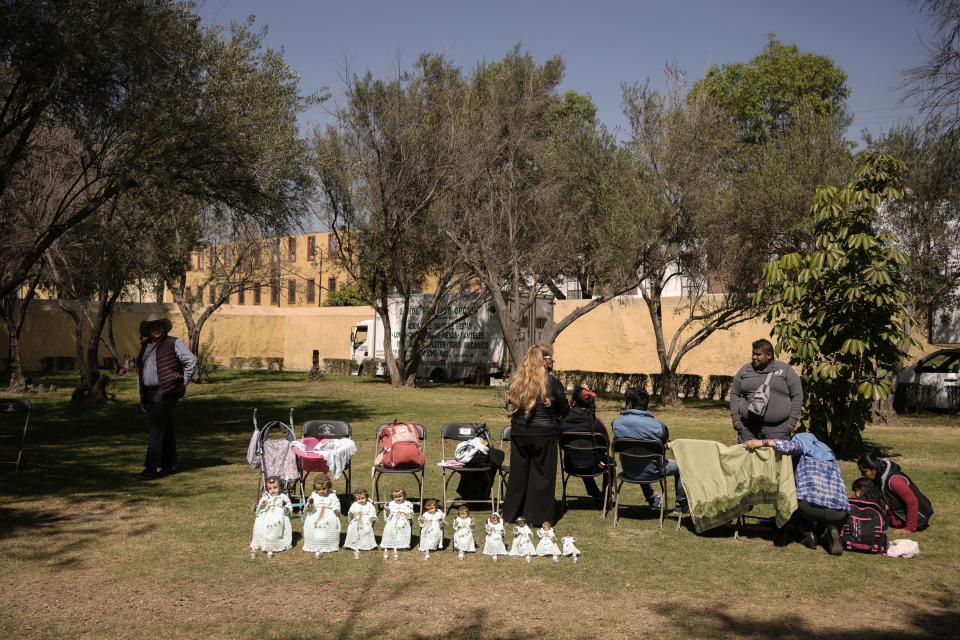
{"points": [[864, 530]]}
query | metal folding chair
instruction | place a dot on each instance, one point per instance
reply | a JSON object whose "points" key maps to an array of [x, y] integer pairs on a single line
{"points": [[638, 454], [593, 448], [380, 470], [461, 432], [12, 435], [335, 430]]}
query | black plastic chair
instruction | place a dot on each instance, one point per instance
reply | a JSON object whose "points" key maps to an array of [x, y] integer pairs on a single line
{"points": [[592, 446], [461, 432], [504, 471], [12, 435], [380, 470], [334, 430], [635, 454]]}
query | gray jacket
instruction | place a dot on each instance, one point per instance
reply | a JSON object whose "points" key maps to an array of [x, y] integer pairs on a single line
{"points": [[783, 410]]}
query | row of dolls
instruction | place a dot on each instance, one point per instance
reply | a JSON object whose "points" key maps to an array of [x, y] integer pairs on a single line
{"points": [[321, 527]]}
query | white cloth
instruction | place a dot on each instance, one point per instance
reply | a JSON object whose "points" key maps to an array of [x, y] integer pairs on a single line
{"points": [[903, 548], [548, 543], [431, 530], [321, 525], [463, 535], [569, 548], [493, 545], [337, 453], [271, 527], [360, 519], [396, 528], [522, 542]]}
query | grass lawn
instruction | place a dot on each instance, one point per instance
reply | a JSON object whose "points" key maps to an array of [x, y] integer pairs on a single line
{"points": [[90, 551]]}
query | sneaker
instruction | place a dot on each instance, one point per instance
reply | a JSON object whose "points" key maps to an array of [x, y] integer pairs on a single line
{"points": [[680, 510], [831, 540], [655, 504], [809, 539]]}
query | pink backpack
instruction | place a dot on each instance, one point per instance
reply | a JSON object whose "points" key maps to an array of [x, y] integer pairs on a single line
{"points": [[401, 446]]}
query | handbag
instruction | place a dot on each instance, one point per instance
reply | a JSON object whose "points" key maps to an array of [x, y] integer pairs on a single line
{"points": [[760, 398]]}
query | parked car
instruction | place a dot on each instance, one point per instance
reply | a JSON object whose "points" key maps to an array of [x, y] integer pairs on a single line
{"points": [[931, 383]]}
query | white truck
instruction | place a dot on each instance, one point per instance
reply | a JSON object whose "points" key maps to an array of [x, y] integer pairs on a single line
{"points": [[471, 348]]}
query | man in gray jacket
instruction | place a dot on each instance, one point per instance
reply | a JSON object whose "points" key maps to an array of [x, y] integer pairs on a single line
{"points": [[782, 413]]}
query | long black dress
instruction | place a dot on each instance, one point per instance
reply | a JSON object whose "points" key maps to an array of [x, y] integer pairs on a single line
{"points": [[533, 459]]}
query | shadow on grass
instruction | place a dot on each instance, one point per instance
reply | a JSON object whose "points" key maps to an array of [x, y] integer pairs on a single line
{"points": [[940, 619]]}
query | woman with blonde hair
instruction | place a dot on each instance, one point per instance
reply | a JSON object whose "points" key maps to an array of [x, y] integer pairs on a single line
{"points": [[538, 404]]}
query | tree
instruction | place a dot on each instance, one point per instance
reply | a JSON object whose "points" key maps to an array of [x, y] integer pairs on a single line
{"points": [[936, 83], [13, 311], [761, 94], [385, 170], [346, 296], [841, 310]]}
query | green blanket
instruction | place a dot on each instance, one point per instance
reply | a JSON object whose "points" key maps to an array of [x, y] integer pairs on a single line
{"points": [[723, 482]]}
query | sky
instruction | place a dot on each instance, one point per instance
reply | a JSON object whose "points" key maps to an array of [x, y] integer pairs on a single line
{"points": [[603, 43]]}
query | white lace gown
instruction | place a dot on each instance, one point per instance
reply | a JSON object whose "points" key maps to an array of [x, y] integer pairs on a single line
{"points": [[396, 528], [271, 527], [569, 548], [493, 544], [522, 542], [321, 533], [463, 535], [547, 546], [431, 531], [360, 518]]}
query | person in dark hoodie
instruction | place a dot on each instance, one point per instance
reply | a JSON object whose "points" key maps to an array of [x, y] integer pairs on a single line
{"points": [[907, 508], [583, 419]]}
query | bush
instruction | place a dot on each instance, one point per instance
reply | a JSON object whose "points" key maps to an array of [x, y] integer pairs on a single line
{"points": [[338, 366], [368, 368], [718, 387]]}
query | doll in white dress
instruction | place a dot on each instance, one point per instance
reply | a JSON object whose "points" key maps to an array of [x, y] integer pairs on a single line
{"points": [[547, 546], [360, 518], [271, 528], [431, 528], [396, 528], [522, 540], [321, 522], [493, 544], [463, 533], [569, 548]]}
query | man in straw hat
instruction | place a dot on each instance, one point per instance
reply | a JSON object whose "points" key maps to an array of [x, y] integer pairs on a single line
{"points": [[165, 366]]}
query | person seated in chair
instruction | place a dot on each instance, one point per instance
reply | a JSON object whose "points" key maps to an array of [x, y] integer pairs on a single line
{"points": [[583, 419], [636, 423]]}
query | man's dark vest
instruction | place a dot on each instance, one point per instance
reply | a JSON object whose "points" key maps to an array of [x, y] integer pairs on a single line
{"points": [[896, 505], [169, 368]]}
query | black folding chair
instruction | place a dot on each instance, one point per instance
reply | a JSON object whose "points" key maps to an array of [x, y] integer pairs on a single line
{"points": [[334, 430], [12, 434], [504, 471], [380, 470], [461, 432], [585, 454], [634, 454]]}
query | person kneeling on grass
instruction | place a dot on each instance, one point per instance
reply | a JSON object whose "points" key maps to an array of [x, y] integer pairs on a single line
{"points": [[822, 505]]}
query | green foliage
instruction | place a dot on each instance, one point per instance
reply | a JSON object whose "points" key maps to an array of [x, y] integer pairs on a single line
{"points": [[761, 93], [840, 310], [346, 296]]}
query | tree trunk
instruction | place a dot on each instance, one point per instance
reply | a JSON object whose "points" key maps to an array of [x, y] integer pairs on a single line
{"points": [[668, 375], [18, 383], [14, 311]]}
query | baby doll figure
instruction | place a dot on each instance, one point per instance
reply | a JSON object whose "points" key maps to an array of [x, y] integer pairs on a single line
{"points": [[463, 533], [396, 528], [431, 528], [360, 519], [321, 522], [271, 528], [522, 540], [548, 542], [569, 548], [493, 545]]}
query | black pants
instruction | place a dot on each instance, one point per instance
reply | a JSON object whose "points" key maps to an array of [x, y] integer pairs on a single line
{"points": [[162, 444], [532, 486], [810, 516]]}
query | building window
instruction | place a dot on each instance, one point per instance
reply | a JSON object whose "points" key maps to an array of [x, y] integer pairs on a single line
{"points": [[292, 249], [311, 291], [213, 256], [241, 297], [275, 292], [331, 286], [275, 256], [199, 260], [213, 294], [291, 292], [256, 294], [311, 248], [200, 293], [331, 244]]}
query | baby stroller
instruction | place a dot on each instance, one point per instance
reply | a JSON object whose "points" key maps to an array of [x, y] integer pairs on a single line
{"points": [[269, 451]]}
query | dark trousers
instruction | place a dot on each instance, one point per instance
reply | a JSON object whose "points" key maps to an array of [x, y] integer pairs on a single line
{"points": [[810, 516], [162, 444], [531, 489]]}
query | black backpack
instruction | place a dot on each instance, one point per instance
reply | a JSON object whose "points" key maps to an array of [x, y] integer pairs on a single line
{"points": [[864, 530]]}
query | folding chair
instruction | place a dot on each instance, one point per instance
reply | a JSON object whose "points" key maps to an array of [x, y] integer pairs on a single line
{"points": [[592, 449], [635, 455], [334, 430], [461, 432], [380, 470], [504, 470], [12, 436]]}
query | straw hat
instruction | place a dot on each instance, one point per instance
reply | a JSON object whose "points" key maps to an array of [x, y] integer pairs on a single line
{"points": [[152, 319]]}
